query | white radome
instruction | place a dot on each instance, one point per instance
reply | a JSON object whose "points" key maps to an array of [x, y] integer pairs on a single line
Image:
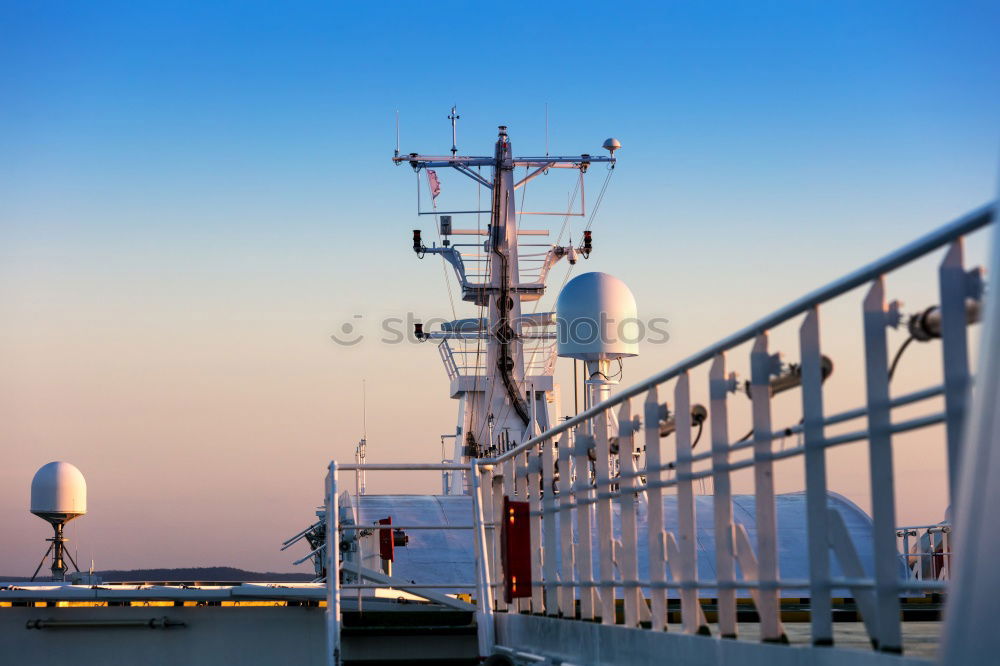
{"points": [[58, 492], [596, 319]]}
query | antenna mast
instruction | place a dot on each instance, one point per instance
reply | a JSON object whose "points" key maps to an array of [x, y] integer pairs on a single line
{"points": [[453, 117], [501, 384], [361, 451]]}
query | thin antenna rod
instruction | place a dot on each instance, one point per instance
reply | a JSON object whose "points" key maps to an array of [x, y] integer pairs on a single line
{"points": [[453, 117], [364, 410], [546, 129], [397, 132]]}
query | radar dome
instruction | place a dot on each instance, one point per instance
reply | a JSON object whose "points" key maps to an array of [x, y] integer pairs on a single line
{"points": [[58, 492], [596, 319]]}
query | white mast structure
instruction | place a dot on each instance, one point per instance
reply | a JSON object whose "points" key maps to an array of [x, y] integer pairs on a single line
{"points": [[504, 401]]}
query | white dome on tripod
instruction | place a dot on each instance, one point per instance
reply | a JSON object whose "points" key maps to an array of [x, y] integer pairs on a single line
{"points": [[58, 492]]}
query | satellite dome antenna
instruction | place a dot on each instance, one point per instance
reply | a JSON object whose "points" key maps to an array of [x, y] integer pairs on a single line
{"points": [[611, 145], [58, 495], [593, 313]]}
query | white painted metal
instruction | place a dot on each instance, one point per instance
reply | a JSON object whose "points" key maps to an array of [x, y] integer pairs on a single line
{"points": [[763, 366], [627, 558], [592, 312], [876, 318], [484, 591], [725, 571], [567, 604], [584, 443], [602, 467], [58, 491], [657, 554], [333, 616], [821, 614], [970, 636], [954, 290]]}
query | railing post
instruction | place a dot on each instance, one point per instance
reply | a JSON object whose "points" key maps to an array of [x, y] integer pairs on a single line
{"points": [[628, 561], [484, 606], [762, 366], [880, 463], [655, 536], [567, 599], [725, 570], [549, 547], [605, 535], [821, 612], [686, 568], [585, 545], [332, 569], [954, 290], [500, 483], [535, 527]]}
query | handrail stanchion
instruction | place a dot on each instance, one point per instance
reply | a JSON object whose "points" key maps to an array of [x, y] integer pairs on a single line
{"points": [[605, 538], [762, 367], [725, 569], [628, 561], [500, 488], [549, 562], [955, 289], [876, 319], [333, 657], [655, 536], [584, 442], [818, 533], [567, 599], [692, 615], [535, 529], [484, 607]]}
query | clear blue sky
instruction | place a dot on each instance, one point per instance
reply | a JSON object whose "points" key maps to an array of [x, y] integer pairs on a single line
{"points": [[194, 194]]}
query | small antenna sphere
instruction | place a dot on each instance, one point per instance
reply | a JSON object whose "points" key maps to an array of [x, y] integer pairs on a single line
{"points": [[596, 319], [58, 492], [611, 145]]}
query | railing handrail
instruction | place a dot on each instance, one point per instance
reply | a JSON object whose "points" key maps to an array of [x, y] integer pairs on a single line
{"points": [[976, 219]]}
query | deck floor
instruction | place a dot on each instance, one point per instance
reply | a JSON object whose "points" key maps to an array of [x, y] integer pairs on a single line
{"points": [[920, 639]]}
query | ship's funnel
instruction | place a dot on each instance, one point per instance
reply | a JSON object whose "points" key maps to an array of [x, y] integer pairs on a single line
{"points": [[596, 319]]}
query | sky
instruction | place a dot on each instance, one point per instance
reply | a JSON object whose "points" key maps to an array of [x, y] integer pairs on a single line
{"points": [[195, 195]]}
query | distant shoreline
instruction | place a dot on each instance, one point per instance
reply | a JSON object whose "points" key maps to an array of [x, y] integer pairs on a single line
{"points": [[186, 574]]}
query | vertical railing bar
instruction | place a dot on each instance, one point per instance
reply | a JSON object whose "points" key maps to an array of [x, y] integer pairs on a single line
{"points": [[725, 570], [567, 602], [550, 564], [880, 468], [687, 517], [628, 561], [954, 289], [656, 545], [584, 554], [493, 535], [605, 539], [762, 367], [501, 482], [521, 494], [484, 606], [332, 568], [535, 505], [821, 611]]}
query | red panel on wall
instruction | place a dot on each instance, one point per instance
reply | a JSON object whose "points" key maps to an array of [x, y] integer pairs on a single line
{"points": [[386, 547], [515, 548]]}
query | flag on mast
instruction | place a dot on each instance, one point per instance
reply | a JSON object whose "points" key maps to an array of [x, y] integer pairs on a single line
{"points": [[432, 180]]}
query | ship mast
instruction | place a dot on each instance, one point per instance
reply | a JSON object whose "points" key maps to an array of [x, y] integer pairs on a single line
{"points": [[503, 402]]}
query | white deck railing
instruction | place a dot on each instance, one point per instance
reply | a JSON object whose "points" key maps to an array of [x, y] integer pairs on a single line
{"points": [[570, 565]]}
